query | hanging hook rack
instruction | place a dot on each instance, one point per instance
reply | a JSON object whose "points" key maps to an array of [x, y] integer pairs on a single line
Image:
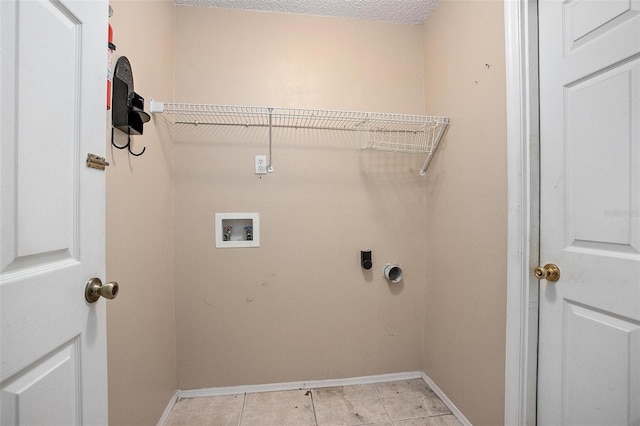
{"points": [[128, 113]]}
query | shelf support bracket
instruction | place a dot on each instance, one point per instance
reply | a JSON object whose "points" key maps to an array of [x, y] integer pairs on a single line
{"points": [[441, 132], [270, 166]]}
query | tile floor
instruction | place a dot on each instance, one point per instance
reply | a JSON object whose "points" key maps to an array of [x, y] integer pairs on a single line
{"points": [[400, 403]]}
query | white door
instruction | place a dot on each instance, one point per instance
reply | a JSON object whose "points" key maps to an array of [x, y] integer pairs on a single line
{"points": [[589, 342], [52, 113]]}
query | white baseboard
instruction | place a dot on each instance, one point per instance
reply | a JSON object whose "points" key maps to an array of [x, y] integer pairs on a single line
{"points": [[167, 410], [313, 384], [271, 387], [454, 410]]}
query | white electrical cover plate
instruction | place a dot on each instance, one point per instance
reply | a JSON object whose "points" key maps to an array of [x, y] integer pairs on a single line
{"points": [[261, 164]]}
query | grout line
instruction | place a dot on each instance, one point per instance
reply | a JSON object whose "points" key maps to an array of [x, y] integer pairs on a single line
{"points": [[244, 400], [393, 423], [313, 406]]}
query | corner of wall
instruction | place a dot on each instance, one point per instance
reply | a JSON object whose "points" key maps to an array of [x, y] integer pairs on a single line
{"points": [[141, 321], [465, 306]]}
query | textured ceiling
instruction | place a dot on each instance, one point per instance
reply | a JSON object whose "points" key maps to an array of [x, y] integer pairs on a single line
{"points": [[398, 11]]}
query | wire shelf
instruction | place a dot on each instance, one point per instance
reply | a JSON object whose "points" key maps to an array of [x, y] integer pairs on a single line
{"points": [[382, 131]]}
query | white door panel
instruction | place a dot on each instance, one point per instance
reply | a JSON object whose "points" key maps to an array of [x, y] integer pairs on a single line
{"points": [[584, 21], [53, 381], [52, 114], [589, 331], [600, 145], [587, 30], [46, 163], [601, 351]]}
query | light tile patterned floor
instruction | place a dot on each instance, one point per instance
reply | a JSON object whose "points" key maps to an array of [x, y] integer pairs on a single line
{"points": [[401, 403]]}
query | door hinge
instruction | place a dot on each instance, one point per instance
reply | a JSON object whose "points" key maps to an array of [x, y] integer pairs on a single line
{"points": [[96, 162]]}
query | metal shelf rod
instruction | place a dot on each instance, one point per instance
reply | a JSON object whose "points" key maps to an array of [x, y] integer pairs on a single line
{"points": [[289, 126]]}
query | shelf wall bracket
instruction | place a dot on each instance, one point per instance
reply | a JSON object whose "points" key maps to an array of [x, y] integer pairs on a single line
{"points": [[437, 140]]}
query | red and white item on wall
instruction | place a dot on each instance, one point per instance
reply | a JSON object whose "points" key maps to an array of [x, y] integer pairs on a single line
{"points": [[110, 48]]}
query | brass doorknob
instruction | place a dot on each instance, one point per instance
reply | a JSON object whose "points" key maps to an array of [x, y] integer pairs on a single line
{"points": [[95, 289], [549, 272]]}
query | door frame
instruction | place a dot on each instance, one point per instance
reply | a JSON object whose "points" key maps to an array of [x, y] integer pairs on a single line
{"points": [[523, 224]]}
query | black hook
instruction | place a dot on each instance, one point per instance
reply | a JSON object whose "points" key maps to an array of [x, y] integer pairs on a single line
{"points": [[113, 142], [128, 145], [138, 154]]}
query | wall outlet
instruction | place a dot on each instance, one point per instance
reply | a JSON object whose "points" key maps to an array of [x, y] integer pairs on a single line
{"points": [[261, 164]]}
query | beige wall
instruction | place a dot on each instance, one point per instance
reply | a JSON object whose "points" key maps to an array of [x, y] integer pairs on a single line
{"points": [[275, 59], [465, 315], [141, 320], [299, 307]]}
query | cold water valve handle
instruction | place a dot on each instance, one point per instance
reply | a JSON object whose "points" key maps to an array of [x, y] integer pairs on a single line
{"points": [[249, 232]]}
